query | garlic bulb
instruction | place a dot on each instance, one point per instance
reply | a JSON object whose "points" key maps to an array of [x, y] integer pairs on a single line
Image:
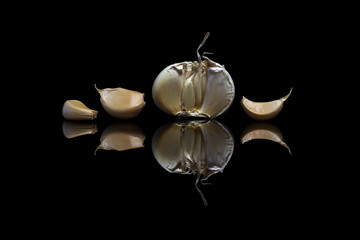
{"points": [[263, 110], [121, 103], [265, 131], [72, 129], [121, 136], [76, 110], [197, 89]]}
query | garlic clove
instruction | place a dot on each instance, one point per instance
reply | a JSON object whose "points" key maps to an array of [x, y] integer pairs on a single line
{"points": [[197, 89], [265, 131], [76, 110], [167, 88], [121, 103], [72, 129], [219, 90], [263, 110], [121, 136]]}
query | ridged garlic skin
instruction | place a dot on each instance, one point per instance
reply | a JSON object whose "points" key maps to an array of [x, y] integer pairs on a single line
{"points": [[194, 89]]}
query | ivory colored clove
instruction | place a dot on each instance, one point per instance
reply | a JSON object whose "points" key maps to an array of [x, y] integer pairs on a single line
{"points": [[121, 103], [194, 89], [76, 110], [121, 136], [263, 110]]}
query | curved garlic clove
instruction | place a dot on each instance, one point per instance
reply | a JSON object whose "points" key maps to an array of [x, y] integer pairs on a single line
{"points": [[76, 110], [121, 136], [197, 89], [121, 103], [263, 110], [265, 131], [73, 129]]}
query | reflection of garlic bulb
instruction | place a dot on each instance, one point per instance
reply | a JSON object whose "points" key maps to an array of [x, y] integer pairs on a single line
{"points": [[202, 147], [199, 147], [121, 136], [198, 89]]}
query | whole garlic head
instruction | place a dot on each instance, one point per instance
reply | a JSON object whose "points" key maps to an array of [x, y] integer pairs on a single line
{"points": [[196, 89]]}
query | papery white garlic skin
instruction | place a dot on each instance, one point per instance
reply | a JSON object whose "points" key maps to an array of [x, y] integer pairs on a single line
{"points": [[197, 89], [76, 110], [121, 103]]}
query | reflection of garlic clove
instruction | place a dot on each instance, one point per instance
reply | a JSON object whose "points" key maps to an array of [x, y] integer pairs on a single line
{"points": [[76, 110], [263, 110], [121, 103], [198, 89], [73, 129], [263, 130], [120, 136]]}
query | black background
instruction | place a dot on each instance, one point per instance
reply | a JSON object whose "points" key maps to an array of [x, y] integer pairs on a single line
{"points": [[265, 54]]}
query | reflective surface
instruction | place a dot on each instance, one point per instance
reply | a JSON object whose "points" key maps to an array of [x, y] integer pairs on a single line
{"points": [[198, 148]]}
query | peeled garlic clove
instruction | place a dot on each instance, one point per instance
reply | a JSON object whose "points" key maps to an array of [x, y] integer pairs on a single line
{"points": [[76, 110], [73, 129], [197, 89], [121, 103], [265, 131], [263, 110], [121, 136]]}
